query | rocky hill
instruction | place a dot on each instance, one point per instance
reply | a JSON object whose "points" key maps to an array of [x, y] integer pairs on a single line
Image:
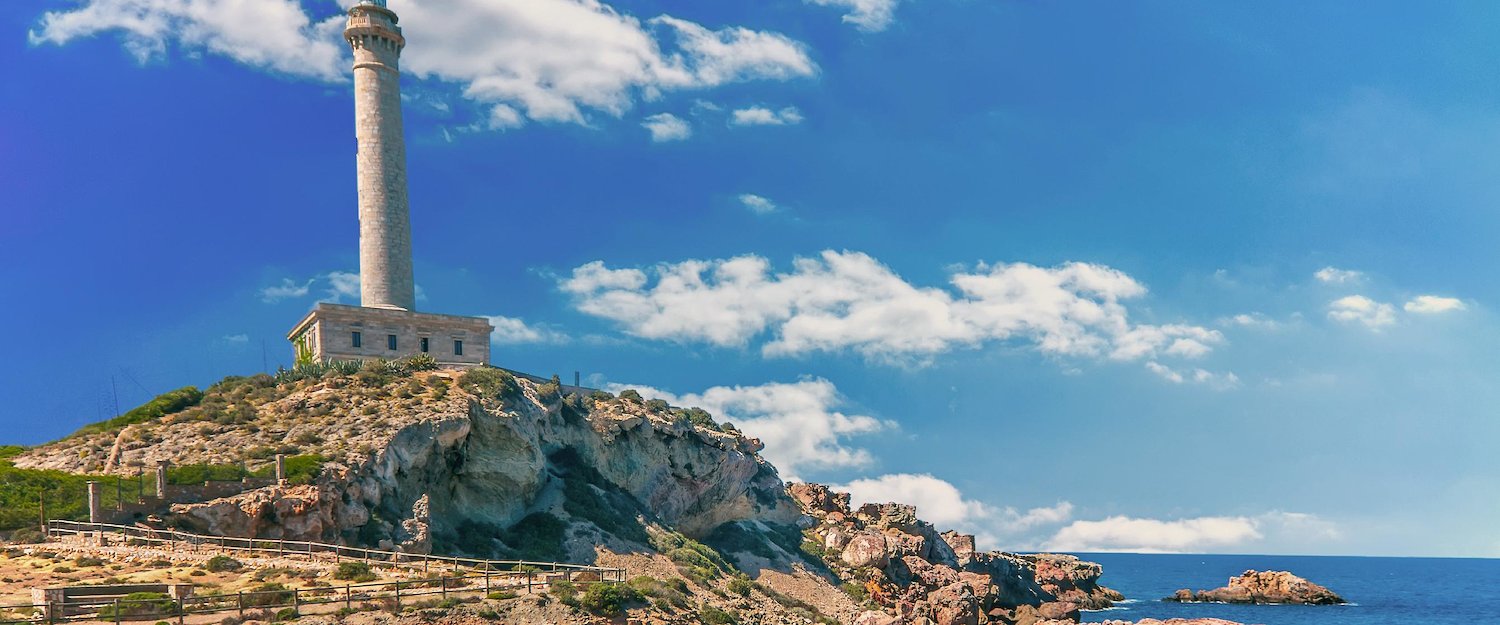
{"points": [[482, 463]]}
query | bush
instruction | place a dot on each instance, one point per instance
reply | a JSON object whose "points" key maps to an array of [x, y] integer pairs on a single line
{"points": [[354, 572], [420, 362], [564, 591], [741, 585], [710, 615], [300, 470], [139, 604], [609, 598], [501, 595], [28, 536], [222, 564], [286, 614], [163, 405], [489, 382], [631, 394], [551, 390], [269, 594]]}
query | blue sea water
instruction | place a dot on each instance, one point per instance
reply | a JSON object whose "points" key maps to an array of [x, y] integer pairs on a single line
{"points": [[1381, 591]]}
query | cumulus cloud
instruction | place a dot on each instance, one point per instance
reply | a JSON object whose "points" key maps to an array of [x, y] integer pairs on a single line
{"points": [[1432, 304], [1254, 320], [288, 289], [799, 422], [1217, 381], [545, 60], [334, 286], [667, 127], [761, 116], [850, 301], [276, 35], [1195, 535], [1363, 310], [942, 504], [513, 331], [757, 204], [866, 15], [1334, 275]]}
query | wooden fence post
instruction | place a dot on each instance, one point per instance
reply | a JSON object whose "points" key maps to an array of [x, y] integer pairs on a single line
{"points": [[486, 582], [348, 596], [240, 600], [528, 582], [181, 610], [398, 595], [296, 601], [117, 612]]}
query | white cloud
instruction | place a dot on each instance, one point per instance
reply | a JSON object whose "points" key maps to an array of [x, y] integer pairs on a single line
{"points": [[237, 339], [757, 204], [286, 290], [1360, 309], [1195, 535], [1334, 275], [1217, 381], [1122, 533], [849, 301], [513, 331], [761, 116], [667, 127], [1254, 320], [942, 504], [269, 34], [545, 60], [1432, 304], [866, 15], [799, 422], [342, 285]]}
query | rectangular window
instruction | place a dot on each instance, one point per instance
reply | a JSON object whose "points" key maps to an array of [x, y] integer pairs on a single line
{"points": [[356, 340], [390, 342], [424, 345], [458, 348]]}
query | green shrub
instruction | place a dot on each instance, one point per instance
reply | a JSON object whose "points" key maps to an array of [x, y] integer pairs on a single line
{"points": [[138, 604], [667, 594], [658, 405], [489, 382], [354, 572], [632, 395], [550, 390], [501, 595], [609, 598], [285, 614], [700, 418], [741, 585], [84, 562], [564, 591], [221, 564], [268, 594], [11, 451], [28, 536], [300, 469], [856, 591], [600, 395], [710, 615], [164, 404]]}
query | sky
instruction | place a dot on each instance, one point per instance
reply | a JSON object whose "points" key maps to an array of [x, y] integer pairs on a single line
{"points": [[1148, 276]]}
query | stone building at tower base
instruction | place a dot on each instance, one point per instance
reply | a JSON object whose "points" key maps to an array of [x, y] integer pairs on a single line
{"points": [[340, 332]]}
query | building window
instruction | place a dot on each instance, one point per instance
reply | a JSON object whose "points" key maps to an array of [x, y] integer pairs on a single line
{"points": [[357, 343], [424, 345], [458, 348], [390, 342]]}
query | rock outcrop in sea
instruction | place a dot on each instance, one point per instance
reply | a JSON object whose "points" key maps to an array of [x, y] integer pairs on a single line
{"points": [[1262, 587]]}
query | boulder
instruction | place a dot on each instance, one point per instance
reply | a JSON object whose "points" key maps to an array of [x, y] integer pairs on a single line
{"points": [[1259, 587], [866, 549]]}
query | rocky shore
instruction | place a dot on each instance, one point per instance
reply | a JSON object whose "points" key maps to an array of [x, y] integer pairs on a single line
{"points": [[1258, 587]]}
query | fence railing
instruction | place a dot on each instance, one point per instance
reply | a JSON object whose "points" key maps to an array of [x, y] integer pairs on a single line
{"points": [[468, 575], [387, 595], [172, 539]]}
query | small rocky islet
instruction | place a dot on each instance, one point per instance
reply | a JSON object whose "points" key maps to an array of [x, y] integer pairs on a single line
{"points": [[1262, 587]]}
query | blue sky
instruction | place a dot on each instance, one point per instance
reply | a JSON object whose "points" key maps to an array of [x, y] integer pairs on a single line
{"points": [[1139, 276]]}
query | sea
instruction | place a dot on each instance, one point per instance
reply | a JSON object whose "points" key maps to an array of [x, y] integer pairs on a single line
{"points": [[1380, 591]]}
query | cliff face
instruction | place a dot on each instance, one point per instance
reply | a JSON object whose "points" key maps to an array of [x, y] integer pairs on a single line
{"points": [[414, 460]]}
